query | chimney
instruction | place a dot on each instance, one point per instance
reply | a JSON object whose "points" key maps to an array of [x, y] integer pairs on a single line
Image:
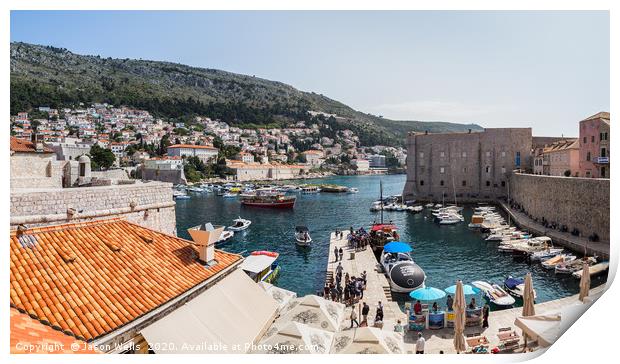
{"points": [[205, 236]]}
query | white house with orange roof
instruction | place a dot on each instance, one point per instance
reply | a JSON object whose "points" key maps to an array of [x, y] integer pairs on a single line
{"points": [[314, 158]]}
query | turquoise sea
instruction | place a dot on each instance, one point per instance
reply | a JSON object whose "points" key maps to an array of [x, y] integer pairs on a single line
{"points": [[446, 253]]}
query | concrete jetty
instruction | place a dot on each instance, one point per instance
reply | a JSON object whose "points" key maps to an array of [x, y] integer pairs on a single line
{"points": [[377, 285], [576, 243]]}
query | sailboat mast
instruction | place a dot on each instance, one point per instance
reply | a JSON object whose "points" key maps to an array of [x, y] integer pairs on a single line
{"points": [[381, 197]]}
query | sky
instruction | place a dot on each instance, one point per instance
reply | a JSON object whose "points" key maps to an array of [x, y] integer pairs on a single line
{"points": [[545, 70]]}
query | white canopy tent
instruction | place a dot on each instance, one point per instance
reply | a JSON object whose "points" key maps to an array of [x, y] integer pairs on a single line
{"points": [[227, 318], [296, 338], [368, 340], [547, 328], [281, 295], [314, 311]]}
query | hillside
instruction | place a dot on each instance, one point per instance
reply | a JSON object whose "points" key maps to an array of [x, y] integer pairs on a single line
{"points": [[43, 75]]}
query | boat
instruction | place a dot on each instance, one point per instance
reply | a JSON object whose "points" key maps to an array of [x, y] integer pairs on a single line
{"points": [[239, 224], [302, 235], [270, 201], [352, 190], [558, 259], [226, 234], [415, 209], [310, 189], [545, 254], [494, 293], [595, 270], [573, 266], [182, 197], [449, 220], [429, 205], [381, 234], [376, 206], [195, 189], [515, 287], [230, 195], [406, 276], [261, 266], [389, 260]]}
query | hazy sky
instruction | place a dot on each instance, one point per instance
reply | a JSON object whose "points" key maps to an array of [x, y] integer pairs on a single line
{"points": [[547, 70]]}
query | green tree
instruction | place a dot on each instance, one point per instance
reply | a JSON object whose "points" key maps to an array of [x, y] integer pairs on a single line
{"points": [[101, 158]]}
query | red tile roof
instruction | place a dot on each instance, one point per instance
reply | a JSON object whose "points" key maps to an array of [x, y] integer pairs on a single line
{"points": [[88, 279], [25, 146], [29, 336]]}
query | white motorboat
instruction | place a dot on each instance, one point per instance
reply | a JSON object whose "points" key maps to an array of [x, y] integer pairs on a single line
{"points": [[516, 287], [415, 208], [545, 254], [195, 189], [595, 270], [429, 205], [494, 293], [230, 195], [449, 220], [226, 234], [352, 190], [302, 236], [406, 276], [389, 260], [558, 259], [239, 224], [178, 195], [376, 206], [573, 266]]}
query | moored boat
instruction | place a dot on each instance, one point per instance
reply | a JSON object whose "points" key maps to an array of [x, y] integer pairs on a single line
{"points": [[494, 293], [558, 259], [515, 287], [261, 266], [595, 270], [573, 266], [406, 276], [271, 201]]}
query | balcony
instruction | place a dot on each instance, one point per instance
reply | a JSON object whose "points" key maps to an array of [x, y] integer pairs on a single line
{"points": [[601, 160]]}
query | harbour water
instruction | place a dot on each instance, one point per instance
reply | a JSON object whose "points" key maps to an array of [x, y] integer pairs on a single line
{"points": [[446, 252]]}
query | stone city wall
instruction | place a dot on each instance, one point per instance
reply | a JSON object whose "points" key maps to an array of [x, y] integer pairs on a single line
{"points": [[148, 204], [582, 203]]}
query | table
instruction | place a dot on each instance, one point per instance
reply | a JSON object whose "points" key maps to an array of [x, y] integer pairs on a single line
{"points": [[477, 341]]}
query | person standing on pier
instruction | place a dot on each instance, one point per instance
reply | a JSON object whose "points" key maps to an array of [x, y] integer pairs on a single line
{"points": [[341, 252], [485, 316], [339, 269], [336, 253], [354, 317], [365, 311]]}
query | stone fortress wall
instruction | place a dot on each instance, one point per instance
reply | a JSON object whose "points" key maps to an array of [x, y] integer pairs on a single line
{"points": [[473, 166], [582, 203], [148, 204]]}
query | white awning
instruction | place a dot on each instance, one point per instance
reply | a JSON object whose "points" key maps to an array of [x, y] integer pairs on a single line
{"points": [[227, 318], [257, 263]]}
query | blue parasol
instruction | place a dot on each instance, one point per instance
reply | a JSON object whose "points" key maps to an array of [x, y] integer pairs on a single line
{"points": [[397, 247], [467, 289], [427, 294]]}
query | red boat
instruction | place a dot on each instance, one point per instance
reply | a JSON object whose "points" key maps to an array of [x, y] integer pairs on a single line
{"points": [[271, 201]]}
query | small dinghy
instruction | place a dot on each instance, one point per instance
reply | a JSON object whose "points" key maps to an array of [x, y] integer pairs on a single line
{"points": [[494, 293], [239, 224], [302, 235], [558, 259], [515, 287], [545, 254]]}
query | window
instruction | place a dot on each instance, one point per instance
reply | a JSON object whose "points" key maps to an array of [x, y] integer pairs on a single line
{"points": [[503, 154], [518, 159], [603, 172], [464, 183], [464, 169], [488, 154], [603, 152], [588, 156], [441, 183], [464, 154], [503, 183], [488, 183], [421, 182], [592, 138], [421, 154], [503, 169], [441, 170], [487, 169], [585, 140], [442, 154]]}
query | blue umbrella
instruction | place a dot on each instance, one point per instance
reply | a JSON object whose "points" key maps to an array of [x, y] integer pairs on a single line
{"points": [[427, 294], [467, 289], [397, 247]]}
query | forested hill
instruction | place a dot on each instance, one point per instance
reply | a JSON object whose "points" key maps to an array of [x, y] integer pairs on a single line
{"points": [[44, 75]]}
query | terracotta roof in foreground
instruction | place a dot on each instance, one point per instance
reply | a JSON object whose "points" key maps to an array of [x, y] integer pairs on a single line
{"points": [[89, 279], [25, 146], [29, 336]]}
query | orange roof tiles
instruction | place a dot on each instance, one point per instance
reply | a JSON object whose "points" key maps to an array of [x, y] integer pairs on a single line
{"points": [[88, 279], [29, 336], [25, 146]]}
